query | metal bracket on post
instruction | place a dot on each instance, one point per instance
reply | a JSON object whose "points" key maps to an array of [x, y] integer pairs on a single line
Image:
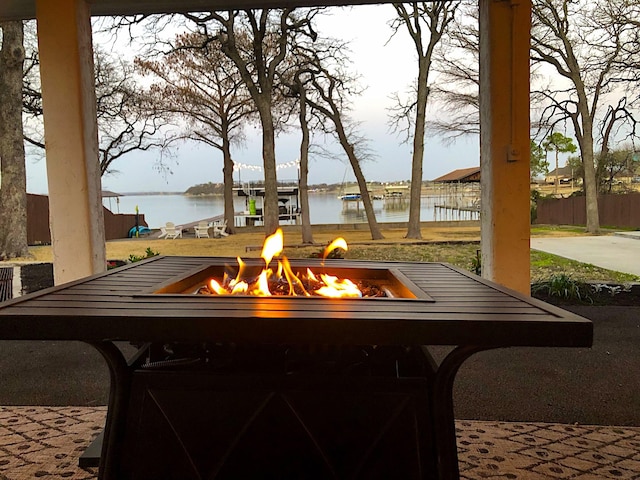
{"points": [[513, 153]]}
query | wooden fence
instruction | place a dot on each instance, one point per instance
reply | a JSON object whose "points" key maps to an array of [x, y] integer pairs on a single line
{"points": [[614, 211], [115, 225]]}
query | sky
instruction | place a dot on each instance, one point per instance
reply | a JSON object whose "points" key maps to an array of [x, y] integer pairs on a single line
{"points": [[386, 65]]}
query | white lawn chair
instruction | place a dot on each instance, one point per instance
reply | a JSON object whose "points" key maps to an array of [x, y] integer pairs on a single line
{"points": [[220, 229], [173, 231], [202, 230]]}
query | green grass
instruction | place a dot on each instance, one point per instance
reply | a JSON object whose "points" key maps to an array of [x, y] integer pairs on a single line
{"points": [[546, 229], [460, 254], [543, 265], [620, 229]]}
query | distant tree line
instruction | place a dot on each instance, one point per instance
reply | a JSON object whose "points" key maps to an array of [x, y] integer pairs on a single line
{"points": [[211, 188]]}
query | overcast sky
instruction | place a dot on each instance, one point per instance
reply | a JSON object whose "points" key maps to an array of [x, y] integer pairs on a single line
{"points": [[385, 67]]}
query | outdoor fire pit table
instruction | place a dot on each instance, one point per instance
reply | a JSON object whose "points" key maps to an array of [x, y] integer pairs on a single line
{"points": [[285, 387]]}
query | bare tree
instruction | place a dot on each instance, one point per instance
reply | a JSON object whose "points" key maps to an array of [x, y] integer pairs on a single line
{"points": [[330, 87], [127, 120], [13, 188], [456, 92], [594, 50], [299, 88], [294, 82], [436, 17], [31, 95], [585, 43], [621, 162], [199, 83], [269, 33]]}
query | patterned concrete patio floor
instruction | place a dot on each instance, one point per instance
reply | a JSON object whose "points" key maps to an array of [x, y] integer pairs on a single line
{"points": [[45, 442]]}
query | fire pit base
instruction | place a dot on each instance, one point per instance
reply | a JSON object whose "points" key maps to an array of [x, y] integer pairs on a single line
{"points": [[192, 423]]}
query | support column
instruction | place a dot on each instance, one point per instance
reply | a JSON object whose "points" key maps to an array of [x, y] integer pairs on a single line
{"points": [[71, 138], [505, 28]]}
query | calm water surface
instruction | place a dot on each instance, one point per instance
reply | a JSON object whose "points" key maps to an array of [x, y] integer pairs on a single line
{"points": [[323, 208]]}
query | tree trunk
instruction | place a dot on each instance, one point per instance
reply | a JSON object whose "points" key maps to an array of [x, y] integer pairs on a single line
{"points": [[270, 211], [227, 173], [557, 182], [376, 233], [413, 227], [334, 115], [13, 179], [590, 184], [307, 235]]}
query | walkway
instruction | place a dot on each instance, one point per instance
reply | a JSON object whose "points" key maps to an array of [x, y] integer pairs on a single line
{"points": [[619, 252], [44, 442]]}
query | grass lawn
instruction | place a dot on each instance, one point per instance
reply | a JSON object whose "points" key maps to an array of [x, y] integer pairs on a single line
{"points": [[455, 245]]}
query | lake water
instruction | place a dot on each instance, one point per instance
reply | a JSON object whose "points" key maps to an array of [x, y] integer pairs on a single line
{"points": [[323, 208]]}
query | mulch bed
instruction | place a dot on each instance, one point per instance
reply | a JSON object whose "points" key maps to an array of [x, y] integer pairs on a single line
{"points": [[36, 276], [604, 297]]}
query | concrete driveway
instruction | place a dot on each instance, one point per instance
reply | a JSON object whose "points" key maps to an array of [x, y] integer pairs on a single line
{"points": [[619, 252]]}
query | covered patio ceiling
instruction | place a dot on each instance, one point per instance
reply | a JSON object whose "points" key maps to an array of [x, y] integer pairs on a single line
{"points": [[26, 9], [68, 92]]}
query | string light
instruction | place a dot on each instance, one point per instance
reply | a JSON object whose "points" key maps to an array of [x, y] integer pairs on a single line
{"points": [[257, 168]]}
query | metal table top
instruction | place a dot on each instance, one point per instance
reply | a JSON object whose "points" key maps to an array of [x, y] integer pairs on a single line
{"points": [[119, 305]]}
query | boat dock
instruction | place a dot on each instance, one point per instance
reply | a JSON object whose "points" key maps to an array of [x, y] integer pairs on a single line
{"points": [[288, 205], [449, 212]]}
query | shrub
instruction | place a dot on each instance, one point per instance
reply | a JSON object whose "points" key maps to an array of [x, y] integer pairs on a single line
{"points": [[564, 287], [335, 253], [148, 254], [476, 263]]}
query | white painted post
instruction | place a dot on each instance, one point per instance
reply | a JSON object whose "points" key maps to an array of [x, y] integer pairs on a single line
{"points": [[71, 138]]}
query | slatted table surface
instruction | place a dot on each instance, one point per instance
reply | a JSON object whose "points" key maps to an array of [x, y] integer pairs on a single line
{"points": [[119, 305]]}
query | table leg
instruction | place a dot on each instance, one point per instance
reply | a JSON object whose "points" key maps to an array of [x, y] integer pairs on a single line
{"points": [[441, 381], [120, 376]]}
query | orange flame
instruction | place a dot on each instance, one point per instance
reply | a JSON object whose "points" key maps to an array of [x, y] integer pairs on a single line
{"points": [[292, 279], [241, 268], [262, 285], [337, 243], [215, 287], [240, 288], [284, 280], [334, 287], [273, 246]]}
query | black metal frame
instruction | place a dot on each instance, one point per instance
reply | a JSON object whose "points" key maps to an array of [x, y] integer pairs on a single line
{"points": [[468, 314], [441, 456]]}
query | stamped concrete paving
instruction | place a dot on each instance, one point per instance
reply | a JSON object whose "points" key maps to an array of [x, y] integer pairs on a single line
{"points": [[45, 442]]}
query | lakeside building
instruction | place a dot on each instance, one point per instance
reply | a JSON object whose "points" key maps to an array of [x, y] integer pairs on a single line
{"points": [[288, 204]]}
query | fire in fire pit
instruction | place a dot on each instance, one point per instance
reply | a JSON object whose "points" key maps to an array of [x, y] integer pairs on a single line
{"points": [[283, 280], [263, 278]]}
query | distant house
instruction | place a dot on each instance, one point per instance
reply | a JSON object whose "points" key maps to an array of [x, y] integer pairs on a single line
{"points": [[562, 174], [462, 175]]}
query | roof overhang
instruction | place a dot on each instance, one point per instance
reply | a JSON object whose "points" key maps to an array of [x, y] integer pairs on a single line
{"points": [[26, 9]]}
